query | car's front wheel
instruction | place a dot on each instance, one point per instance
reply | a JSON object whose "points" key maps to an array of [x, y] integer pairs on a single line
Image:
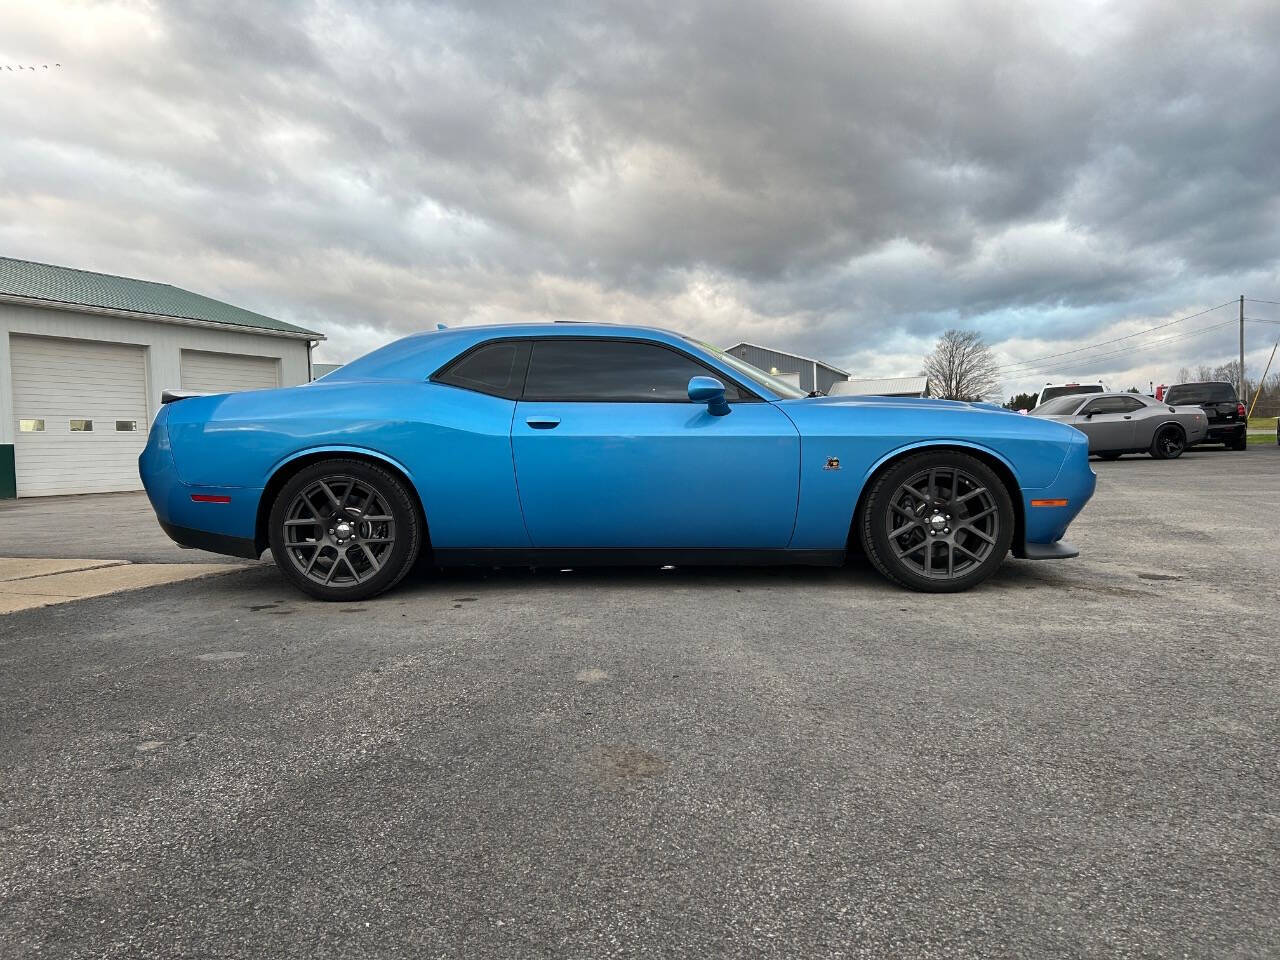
{"points": [[344, 530], [938, 522], [1168, 443]]}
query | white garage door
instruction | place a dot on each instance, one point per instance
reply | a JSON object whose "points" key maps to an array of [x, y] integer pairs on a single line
{"points": [[228, 372], [81, 408]]}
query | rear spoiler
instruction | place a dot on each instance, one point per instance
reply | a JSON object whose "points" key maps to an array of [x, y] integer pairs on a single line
{"points": [[173, 396]]}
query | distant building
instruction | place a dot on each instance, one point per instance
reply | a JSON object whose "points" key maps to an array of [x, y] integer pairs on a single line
{"points": [[319, 370], [85, 356], [807, 373], [887, 387]]}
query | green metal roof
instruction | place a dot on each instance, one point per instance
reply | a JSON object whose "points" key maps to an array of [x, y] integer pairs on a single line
{"points": [[66, 286]]}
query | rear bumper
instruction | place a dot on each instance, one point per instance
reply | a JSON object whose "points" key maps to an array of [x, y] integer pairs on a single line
{"points": [[1225, 432], [222, 520], [213, 542]]}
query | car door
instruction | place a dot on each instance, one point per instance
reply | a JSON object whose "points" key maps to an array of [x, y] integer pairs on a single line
{"points": [[611, 453], [1108, 422]]}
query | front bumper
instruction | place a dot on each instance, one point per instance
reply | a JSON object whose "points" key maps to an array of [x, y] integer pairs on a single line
{"points": [[1062, 550], [1048, 511]]}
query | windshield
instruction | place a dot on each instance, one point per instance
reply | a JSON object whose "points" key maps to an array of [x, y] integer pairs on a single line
{"points": [[1200, 393], [1048, 393], [780, 387], [1059, 406]]}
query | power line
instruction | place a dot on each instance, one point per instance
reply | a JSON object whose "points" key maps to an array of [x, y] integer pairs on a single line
{"points": [[1103, 343], [1255, 300], [1088, 361]]}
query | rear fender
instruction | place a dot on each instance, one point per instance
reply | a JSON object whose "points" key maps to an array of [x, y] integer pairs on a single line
{"points": [[341, 449], [279, 472]]}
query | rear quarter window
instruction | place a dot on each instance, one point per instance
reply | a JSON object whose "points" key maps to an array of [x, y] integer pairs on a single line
{"points": [[496, 368]]}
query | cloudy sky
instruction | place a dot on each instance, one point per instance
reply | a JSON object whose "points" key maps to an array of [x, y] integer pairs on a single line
{"points": [[844, 180]]}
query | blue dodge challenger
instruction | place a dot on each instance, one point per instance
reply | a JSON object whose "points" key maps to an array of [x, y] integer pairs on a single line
{"points": [[572, 444]]}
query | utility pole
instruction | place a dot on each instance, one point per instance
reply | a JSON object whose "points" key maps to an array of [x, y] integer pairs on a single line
{"points": [[1243, 398]]}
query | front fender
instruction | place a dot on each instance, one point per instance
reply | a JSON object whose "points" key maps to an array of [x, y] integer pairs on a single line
{"points": [[946, 443]]}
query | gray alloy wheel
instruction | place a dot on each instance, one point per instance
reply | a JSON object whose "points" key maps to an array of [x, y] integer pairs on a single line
{"points": [[339, 531], [938, 522], [1169, 442], [344, 530]]}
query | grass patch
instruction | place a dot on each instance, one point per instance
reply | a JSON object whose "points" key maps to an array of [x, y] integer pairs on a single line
{"points": [[1262, 423], [1261, 439]]}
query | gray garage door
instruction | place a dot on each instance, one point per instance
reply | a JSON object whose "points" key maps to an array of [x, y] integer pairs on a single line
{"points": [[228, 372], [81, 407]]}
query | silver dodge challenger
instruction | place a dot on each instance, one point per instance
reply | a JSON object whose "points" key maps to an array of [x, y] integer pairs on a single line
{"points": [[1120, 423]]}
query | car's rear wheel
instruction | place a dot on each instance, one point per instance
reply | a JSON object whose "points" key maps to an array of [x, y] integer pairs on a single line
{"points": [[344, 530], [1241, 444], [938, 522], [1169, 442]]}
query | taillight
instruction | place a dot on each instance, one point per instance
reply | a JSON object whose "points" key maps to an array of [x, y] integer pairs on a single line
{"points": [[1240, 411]]}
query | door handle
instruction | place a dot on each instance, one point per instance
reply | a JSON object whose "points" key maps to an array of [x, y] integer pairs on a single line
{"points": [[543, 423], [1127, 417]]}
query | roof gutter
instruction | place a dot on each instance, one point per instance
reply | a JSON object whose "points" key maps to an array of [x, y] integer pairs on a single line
{"points": [[70, 307]]}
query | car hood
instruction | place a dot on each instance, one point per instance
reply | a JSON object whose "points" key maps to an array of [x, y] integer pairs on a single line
{"points": [[909, 403]]}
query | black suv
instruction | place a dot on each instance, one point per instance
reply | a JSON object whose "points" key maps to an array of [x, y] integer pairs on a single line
{"points": [[1228, 422]]}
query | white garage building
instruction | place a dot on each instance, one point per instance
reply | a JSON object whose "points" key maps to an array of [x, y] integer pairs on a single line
{"points": [[85, 356]]}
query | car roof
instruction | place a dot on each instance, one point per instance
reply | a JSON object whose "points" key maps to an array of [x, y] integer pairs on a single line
{"points": [[429, 350]]}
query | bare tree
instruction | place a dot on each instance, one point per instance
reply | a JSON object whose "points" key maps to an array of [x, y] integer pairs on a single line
{"points": [[961, 367]]}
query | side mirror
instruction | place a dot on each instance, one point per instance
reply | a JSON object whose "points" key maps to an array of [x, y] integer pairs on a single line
{"points": [[710, 391], [1088, 416]]}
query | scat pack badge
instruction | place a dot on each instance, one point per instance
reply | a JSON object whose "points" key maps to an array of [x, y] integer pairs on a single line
{"points": [[833, 463]]}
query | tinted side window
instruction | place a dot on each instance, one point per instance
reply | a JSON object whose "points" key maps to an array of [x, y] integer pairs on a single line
{"points": [[495, 368], [613, 371], [1113, 405]]}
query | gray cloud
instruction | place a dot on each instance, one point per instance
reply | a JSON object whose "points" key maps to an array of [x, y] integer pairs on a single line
{"points": [[842, 180]]}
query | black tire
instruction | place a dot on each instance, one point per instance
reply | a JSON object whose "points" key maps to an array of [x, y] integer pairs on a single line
{"points": [[917, 567], [1241, 444], [1169, 442], [382, 538], [1111, 455]]}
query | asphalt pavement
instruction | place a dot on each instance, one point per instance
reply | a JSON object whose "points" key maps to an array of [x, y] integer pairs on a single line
{"points": [[1077, 759]]}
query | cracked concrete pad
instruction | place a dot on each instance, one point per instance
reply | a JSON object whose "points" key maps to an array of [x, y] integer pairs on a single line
{"points": [[21, 568], [11, 604], [42, 590]]}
